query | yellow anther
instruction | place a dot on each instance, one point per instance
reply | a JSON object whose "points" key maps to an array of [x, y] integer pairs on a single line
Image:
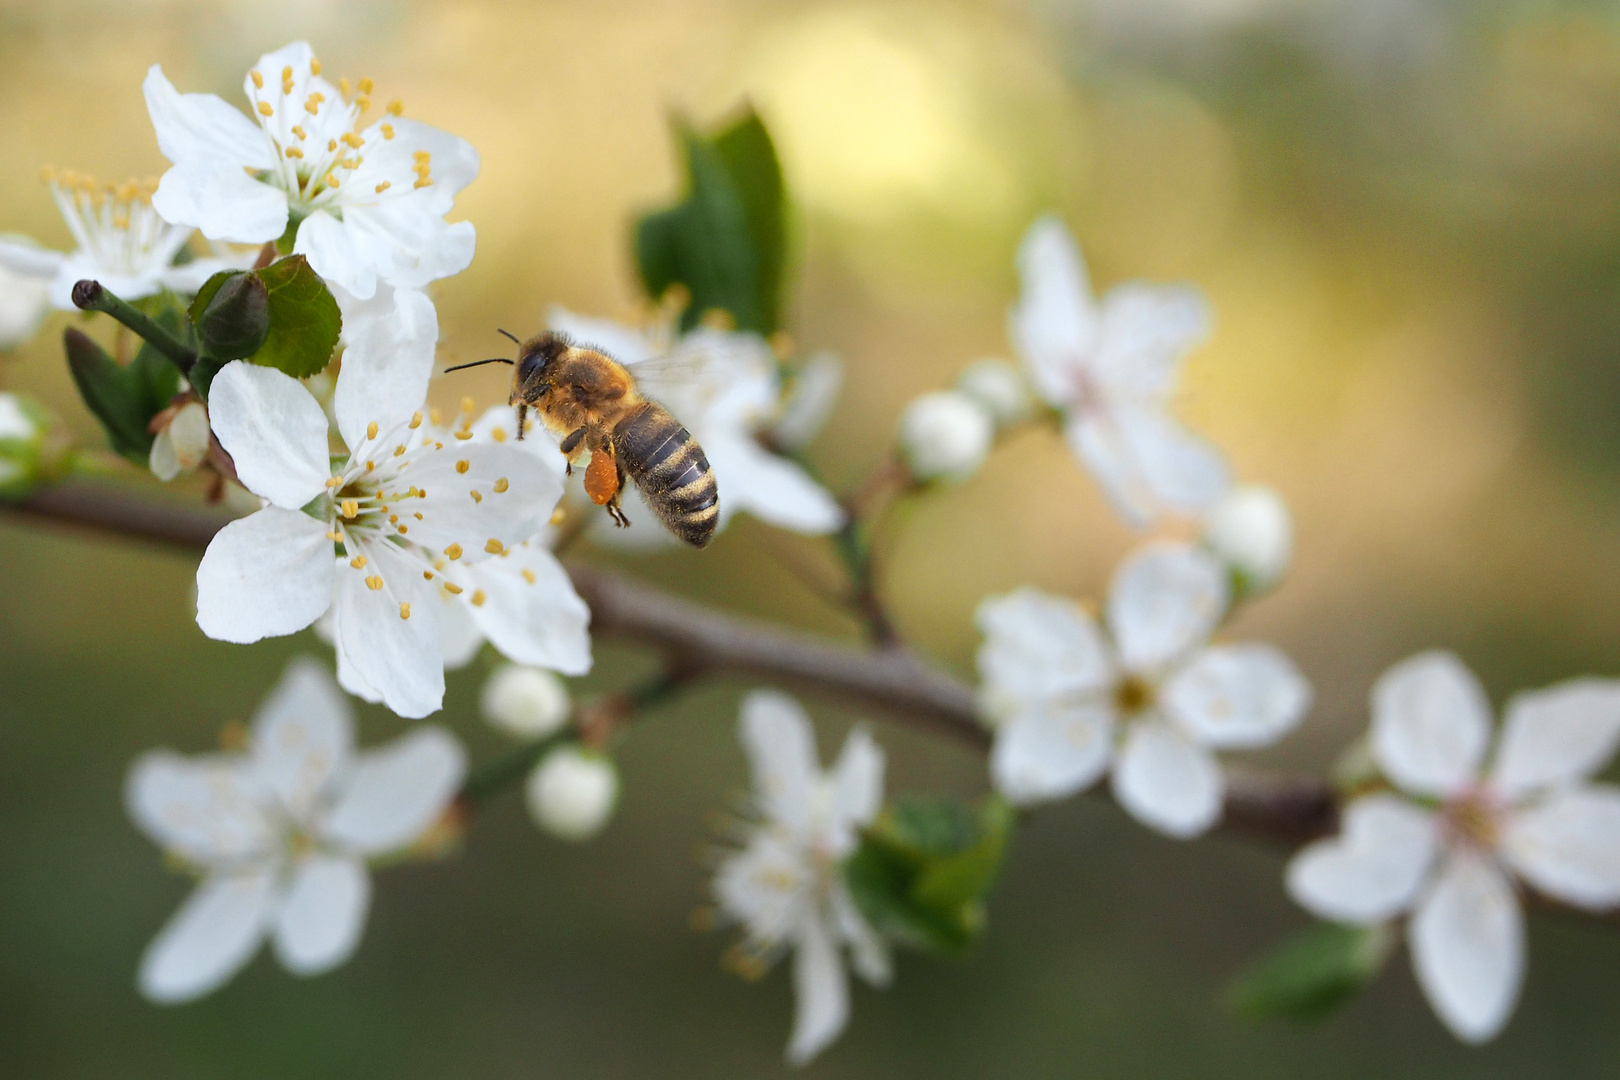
{"points": [[366, 85], [417, 516], [558, 516], [453, 551], [362, 103], [427, 575], [396, 107], [335, 537], [464, 434], [265, 109], [528, 575], [314, 65], [416, 422], [404, 611], [286, 73], [331, 145], [468, 405], [398, 450], [439, 565], [452, 588], [421, 155], [478, 598], [312, 104], [388, 131], [299, 131], [393, 519], [500, 485], [343, 87], [477, 498], [437, 445], [258, 80], [358, 562], [435, 417], [370, 465], [384, 186], [403, 529], [317, 97], [334, 481], [463, 466], [384, 509], [494, 547], [371, 430], [294, 152], [498, 434], [331, 181], [353, 141], [420, 494], [422, 183], [374, 583], [350, 508]]}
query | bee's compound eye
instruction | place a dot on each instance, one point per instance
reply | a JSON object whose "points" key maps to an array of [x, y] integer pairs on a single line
{"points": [[530, 366]]}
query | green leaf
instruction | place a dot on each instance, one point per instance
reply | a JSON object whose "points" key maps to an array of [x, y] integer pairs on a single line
{"points": [[116, 395], [1311, 974], [924, 868], [304, 319], [724, 241]]}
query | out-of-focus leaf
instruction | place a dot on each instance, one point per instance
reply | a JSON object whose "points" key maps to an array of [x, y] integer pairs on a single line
{"points": [[114, 394], [749, 157], [1311, 974], [304, 319]]}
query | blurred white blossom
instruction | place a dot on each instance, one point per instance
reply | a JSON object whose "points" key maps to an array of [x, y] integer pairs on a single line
{"points": [[724, 387], [367, 198], [1446, 846], [182, 443], [785, 886], [572, 792], [22, 444], [120, 241], [1111, 366], [280, 834], [412, 512], [25, 299], [1251, 531], [999, 388], [528, 702], [945, 435], [1150, 698], [812, 396]]}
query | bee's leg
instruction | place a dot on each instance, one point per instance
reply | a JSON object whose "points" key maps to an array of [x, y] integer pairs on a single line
{"points": [[523, 418], [613, 507], [571, 444]]}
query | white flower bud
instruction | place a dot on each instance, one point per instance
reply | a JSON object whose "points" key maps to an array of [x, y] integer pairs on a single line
{"points": [[525, 701], [1250, 529], [572, 792], [22, 443], [945, 434], [182, 444], [1000, 389]]}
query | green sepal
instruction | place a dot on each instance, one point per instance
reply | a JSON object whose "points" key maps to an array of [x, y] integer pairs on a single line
{"points": [[123, 398], [725, 240], [924, 868], [1311, 974]]}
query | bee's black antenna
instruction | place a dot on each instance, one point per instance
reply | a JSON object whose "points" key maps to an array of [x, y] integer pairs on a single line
{"points": [[478, 363], [514, 337]]}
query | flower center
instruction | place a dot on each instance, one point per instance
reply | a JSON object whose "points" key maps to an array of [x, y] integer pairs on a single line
{"points": [[114, 223], [1086, 395], [1473, 818], [1132, 695]]}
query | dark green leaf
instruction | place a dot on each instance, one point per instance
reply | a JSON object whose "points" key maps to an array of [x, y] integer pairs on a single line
{"points": [[1311, 974], [112, 393], [304, 319], [749, 156]]}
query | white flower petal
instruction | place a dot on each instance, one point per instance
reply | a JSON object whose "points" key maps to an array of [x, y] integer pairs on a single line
{"points": [[389, 341], [206, 809], [1054, 327], [202, 127], [1166, 782], [1165, 601], [323, 914], [399, 658], [820, 992], [302, 737], [781, 748], [1569, 846], [773, 489], [857, 780], [814, 396], [264, 575], [1237, 696], [1096, 441], [407, 240], [1430, 724], [29, 260], [338, 254], [530, 611], [1558, 735], [162, 460], [274, 430], [1038, 646], [1051, 750], [1182, 472], [1372, 870], [1467, 942], [520, 508], [868, 950], [460, 637], [395, 793], [767, 886], [215, 932], [1146, 330], [623, 343]]}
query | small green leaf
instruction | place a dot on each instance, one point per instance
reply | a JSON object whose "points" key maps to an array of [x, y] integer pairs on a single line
{"points": [[112, 393], [304, 319], [1311, 974], [749, 156]]}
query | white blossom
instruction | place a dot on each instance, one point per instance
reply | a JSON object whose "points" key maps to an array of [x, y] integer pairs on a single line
{"points": [[22, 444], [367, 197], [1111, 366], [280, 834], [1446, 845], [411, 512], [182, 444], [725, 388], [25, 299], [572, 792], [119, 240], [1251, 531], [999, 388], [785, 886], [528, 702], [945, 435], [1150, 697], [812, 396]]}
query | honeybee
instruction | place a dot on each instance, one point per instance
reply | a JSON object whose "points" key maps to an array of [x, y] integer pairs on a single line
{"points": [[591, 402]]}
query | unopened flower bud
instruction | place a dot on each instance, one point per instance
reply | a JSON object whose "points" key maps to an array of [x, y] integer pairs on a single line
{"points": [[525, 701], [182, 444], [1251, 531], [999, 388], [23, 426], [945, 434], [572, 792], [237, 318]]}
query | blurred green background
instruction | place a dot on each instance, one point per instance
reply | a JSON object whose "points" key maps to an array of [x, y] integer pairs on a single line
{"points": [[1407, 215]]}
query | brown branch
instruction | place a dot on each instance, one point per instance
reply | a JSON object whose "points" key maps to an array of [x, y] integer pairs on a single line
{"points": [[893, 679]]}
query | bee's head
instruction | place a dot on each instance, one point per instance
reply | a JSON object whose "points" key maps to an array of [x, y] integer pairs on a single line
{"points": [[537, 361]]}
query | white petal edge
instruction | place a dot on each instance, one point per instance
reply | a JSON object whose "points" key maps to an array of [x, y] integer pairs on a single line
{"points": [[1166, 782], [390, 342], [1569, 846], [206, 809], [1373, 869], [1038, 646], [820, 992], [857, 780], [1238, 696], [781, 747], [1557, 736], [215, 932], [323, 914], [1430, 723], [303, 736], [274, 430], [1467, 943], [1051, 750], [394, 794], [265, 575], [1054, 325], [1165, 601]]}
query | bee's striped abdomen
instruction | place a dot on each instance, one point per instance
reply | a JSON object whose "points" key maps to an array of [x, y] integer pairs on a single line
{"points": [[668, 466]]}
